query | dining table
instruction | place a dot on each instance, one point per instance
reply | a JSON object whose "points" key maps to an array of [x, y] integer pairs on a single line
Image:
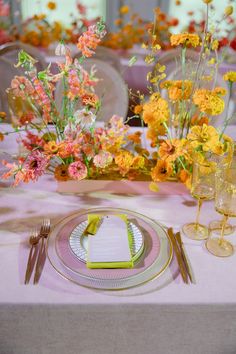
{"points": [[162, 316]]}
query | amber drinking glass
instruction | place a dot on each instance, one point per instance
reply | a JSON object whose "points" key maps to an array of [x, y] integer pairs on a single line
{"points": [[203, 188], [225, 204]]}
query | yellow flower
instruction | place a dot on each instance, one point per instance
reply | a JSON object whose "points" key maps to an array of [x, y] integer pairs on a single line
{"points": [[51, 5], [215, 44], [124, 160], [205, 137], [208, 101], [178, 90], [221, 91], [189, 39], [124, 10], [161, 171], [230, 76], [229, 10]]}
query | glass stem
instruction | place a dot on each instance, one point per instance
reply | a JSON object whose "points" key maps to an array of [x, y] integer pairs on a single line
{"points": [[198, 212], [225, 218]]}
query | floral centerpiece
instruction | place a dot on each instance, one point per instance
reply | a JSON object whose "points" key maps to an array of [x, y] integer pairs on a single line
{"points": [[178, 115], [179, 111], [64, 139]]}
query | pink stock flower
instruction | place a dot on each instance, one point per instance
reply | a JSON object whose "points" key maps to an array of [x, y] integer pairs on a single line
{"points": [[103, 159], [77, 170], [84, 118], [36, 164], [22, 87]]}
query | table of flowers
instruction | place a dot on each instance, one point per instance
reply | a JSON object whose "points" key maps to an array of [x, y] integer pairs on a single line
{"points": [[112, 208]]}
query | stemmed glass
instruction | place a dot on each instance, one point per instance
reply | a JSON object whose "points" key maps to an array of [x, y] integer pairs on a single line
{"points": [[203, 188], [216, 225], [225, 204]]}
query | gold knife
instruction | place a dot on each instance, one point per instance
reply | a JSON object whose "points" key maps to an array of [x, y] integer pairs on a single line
{"points": [[185, 259], [178, 256]]}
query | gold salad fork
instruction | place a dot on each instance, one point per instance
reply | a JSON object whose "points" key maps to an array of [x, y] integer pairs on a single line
{"points": [[44, 232], [33, 240]]}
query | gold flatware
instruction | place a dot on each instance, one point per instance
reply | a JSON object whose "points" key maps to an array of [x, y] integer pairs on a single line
{"points": [[44, 232], [184, 256], [33, 240], [178, 256]]}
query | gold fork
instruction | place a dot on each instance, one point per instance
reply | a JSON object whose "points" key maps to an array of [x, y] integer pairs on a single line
{"points": [[33, 240], [44, 232]]}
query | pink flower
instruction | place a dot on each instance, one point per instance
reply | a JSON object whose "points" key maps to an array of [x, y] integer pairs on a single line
{"points": [[4, 9], [21, 87], [103, 159], [36, 164], [81, 8], [77, 170]]}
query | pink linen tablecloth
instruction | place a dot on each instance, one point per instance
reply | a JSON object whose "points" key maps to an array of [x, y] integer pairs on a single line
{"points": [[162, 316]]}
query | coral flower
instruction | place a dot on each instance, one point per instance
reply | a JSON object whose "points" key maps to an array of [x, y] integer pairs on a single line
{"points": [[161, 171], [204, 137], [21, 87], [90, 39], [61, 173], [188, 39], [77, 170]]}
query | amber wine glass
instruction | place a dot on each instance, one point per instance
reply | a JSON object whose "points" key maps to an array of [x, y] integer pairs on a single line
{"points": [[225, 204], [203, 188]]}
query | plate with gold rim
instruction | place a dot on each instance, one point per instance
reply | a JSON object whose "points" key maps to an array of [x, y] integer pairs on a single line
{"points": [[152, 263]]}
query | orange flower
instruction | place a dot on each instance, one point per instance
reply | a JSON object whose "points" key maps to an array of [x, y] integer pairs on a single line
{"points": [[61, 173], [178, 90], [1, 136], [51, 147], [177, 2], [51, 5], [196, 120], [124, 10], [171, 150], [185, 177], [188, 39], [3, 115], [135, 138], [138, 109], [156, 111], [161, 171]]}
